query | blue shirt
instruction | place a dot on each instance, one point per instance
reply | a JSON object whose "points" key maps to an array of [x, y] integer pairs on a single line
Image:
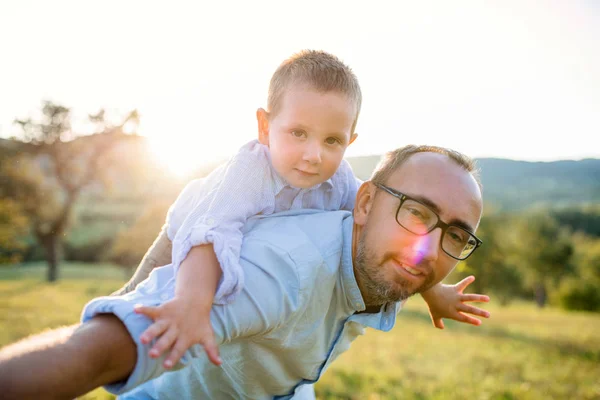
{"points": [[296, 314], [214, 209]]}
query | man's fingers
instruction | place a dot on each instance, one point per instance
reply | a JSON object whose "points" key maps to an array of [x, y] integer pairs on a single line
{"points": [[438, 323], [156, 329], [465, 308], [470, 320], [164, 343], [465, 282], [475, 297]]}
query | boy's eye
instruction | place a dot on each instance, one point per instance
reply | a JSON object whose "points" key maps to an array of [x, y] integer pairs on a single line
{"points": [[298, 134], [332, 140]]}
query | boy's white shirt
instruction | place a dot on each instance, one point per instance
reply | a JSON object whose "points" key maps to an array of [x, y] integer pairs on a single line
{"points": [[214, 209]]}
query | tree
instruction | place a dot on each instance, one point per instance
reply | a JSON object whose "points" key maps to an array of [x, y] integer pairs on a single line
{"points": [[13, 228], [582, 291], [55, 164], [543, 253], [490, 264]]}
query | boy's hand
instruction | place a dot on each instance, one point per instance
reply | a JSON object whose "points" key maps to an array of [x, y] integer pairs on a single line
{"points": [[448, 301], [179, 325]]}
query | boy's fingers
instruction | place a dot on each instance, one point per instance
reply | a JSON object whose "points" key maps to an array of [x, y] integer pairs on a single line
{"points": [[212, 351], [150, 312], [438, 323], [164, 343], [176, 352], [153, 331]]}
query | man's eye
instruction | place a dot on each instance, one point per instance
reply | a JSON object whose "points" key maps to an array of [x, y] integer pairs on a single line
{"points": [[415, 212], [455, 237]]}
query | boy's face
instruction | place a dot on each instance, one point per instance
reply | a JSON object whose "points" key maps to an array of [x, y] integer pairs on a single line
{"points": [[309, 134]]}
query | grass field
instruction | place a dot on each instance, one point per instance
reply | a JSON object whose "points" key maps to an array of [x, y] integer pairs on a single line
{"points": [[520, 353]]}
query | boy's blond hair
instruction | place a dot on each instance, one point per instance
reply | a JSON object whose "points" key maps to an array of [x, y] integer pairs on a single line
{"points": [[319, 70]]}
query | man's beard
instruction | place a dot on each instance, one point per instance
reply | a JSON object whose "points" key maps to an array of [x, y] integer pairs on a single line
{"points": [[375, 288]]}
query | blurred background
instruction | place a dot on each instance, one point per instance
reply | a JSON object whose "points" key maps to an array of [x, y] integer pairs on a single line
{"points": [[108, 109]]}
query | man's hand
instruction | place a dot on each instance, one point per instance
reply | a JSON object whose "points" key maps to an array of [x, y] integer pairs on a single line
{"points": [[178, 325], [448, 301]]}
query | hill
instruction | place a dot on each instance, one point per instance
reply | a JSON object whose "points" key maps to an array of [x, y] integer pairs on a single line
{"points": [[511, 185]]}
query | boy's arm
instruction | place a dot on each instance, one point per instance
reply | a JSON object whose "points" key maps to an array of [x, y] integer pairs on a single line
{"points": [[244, 189], [185, 320], [158, 254], [448, 301], [207, 246], [267, 300]]}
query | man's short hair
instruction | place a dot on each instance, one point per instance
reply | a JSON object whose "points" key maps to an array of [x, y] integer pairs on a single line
{"points": [[392, 160], [318, 70]]}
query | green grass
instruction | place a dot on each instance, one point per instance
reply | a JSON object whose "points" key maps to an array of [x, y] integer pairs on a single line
{"points": [[520, 353]]}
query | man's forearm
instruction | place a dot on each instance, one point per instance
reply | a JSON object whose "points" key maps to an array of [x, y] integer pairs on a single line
{"points": [[67, 362]]}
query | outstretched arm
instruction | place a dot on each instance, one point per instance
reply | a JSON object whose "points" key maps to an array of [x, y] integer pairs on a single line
{"points": [[449, 301], [67, 362]]}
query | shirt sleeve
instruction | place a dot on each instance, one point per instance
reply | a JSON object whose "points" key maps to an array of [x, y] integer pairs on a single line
{"points": [[217, 214], [191, 194], [349, 184]]}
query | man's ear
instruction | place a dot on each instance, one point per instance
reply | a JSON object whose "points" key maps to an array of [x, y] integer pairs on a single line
{"points": [[364, 202], [262, 117], [352, 138]]}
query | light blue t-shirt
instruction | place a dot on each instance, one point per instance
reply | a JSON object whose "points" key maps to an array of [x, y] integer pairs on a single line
{"points": [[297, 313]]}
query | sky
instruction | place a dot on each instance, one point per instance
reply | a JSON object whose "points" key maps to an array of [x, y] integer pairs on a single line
{"points": [[516, 79]]}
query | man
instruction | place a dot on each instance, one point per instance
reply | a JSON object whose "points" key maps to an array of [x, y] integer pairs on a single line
{"points": [[315, 280]]}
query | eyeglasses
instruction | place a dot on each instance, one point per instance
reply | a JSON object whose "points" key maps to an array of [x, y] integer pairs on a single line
{"points": [[419, 219]]}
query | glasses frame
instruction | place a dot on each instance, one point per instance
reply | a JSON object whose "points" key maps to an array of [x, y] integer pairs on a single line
{"points": [[440, 224]]}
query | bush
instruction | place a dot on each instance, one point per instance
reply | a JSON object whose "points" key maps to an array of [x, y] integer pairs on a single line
{"points": [[576, 294]]}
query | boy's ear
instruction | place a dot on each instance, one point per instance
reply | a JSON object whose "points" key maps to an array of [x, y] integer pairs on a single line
{"points": [[262, 117], [352, 138], [364, 201]]}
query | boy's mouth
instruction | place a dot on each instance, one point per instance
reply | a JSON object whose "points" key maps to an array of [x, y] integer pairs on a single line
{"points": [[307, 173]]}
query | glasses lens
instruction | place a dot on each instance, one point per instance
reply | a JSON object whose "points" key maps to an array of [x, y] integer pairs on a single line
{"points": [[458, 243], [416, 217]]}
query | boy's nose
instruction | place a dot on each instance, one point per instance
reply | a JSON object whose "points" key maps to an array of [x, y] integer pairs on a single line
{"points": [[312, 153]]}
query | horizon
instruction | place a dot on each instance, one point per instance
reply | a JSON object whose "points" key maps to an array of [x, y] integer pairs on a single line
{"points": [[524, 73]]}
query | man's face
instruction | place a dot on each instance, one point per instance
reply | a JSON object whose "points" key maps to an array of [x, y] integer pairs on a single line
{"points": [[391, 263]]}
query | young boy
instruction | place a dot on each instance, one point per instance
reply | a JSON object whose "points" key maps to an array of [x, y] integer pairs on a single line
{"points": [[297, 162]]}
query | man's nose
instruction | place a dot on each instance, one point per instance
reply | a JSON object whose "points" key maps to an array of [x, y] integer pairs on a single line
{"points": [[312, 153], [427, 247]]}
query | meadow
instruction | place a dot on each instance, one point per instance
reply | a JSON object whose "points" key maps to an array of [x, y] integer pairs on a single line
{"points": [[521, 352]]}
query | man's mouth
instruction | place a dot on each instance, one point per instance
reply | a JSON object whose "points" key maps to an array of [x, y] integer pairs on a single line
{"points": [[411, 270]]}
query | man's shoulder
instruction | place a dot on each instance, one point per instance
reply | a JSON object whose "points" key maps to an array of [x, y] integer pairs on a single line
{"points": [[293, 228], [304, 238]]}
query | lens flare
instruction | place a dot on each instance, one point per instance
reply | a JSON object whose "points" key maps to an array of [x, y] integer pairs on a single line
{"points": [[420, 246]]}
